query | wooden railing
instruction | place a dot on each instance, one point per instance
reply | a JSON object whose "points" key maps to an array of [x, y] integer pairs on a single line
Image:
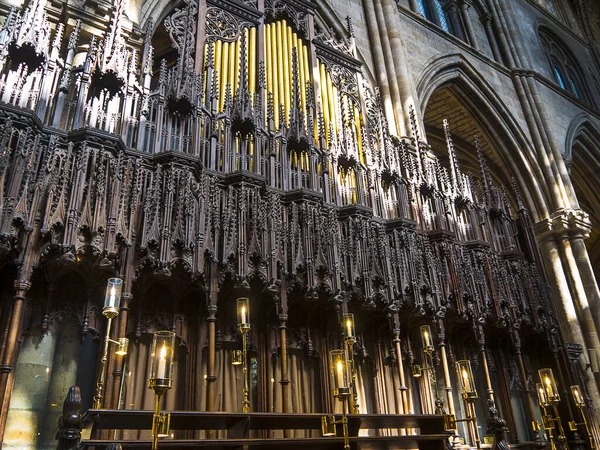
{"points": [[237, 429]]}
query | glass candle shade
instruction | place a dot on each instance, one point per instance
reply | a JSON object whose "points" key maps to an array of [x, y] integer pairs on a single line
{"points": [[541, 393], [243, 312], [112, 299], [328, 427], [163, 425], [337, 365], [426, 338], [122, 346], [349, 327], [577, 396], [549, 384], [161, 360], [237, 357], [465, 377]]}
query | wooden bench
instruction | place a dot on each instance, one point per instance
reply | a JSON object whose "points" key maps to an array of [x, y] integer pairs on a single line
{"points": [[238, 426]]}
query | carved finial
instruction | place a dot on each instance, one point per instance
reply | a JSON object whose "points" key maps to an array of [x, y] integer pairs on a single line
{"points": [[350, 26], [210, 55], [455, 176], [518, 196], [74, 37], [58, 35], [262, 76], [485, 171]]}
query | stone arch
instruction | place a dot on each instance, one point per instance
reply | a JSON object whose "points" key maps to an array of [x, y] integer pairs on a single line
{"points": [[514, 149], [582, 153]]}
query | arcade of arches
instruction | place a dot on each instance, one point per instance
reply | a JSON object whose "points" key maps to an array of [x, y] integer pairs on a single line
{"points": [[215, 149]]}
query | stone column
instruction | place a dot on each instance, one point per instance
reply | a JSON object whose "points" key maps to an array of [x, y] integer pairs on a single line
{"points": [[11, 350], [452, 8], [486, 20], [466, 18], [570, 299]]}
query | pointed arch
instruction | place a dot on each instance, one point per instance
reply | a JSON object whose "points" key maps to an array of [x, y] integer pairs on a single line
{"points": [[514, 149], [582, 152]]}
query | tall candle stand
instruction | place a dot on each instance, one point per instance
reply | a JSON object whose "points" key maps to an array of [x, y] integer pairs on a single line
{"points": [[350, 339], [469, 395], [112, 300], [580, 403], [161, 380], [549, 398], [428, 367], [341, 390], [243, 312]]}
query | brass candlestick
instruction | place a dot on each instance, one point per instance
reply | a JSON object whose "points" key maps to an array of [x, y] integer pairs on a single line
{"points": [[112, 300], [580, 403], [428, 368], [549, 398], [469, 395], [350, 339], [341, 390], [161, 380], [243, 309]]}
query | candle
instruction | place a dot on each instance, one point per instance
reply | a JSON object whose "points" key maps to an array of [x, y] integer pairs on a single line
{"points": [[161, 370], [466, 383], [541, 394], [549, 387], [426, 338], [340, 374], [112, 299], [349, 325], [244, 314]]}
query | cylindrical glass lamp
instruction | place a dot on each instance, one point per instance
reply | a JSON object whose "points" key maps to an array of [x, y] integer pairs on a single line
{"points": [[161, 360], [549, 384], [465, 377], [349, 328], [426, 338], [541, 392], [577, 396], [122, 346], [337, 365], [243, 312], [112, 299], [237, 357]]}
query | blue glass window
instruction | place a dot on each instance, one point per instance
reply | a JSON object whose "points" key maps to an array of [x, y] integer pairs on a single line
{"points": [[573, 86], [442, 16], [424, 9], [559, 77]]}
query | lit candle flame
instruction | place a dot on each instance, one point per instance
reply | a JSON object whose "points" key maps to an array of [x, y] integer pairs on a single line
{"points": [[243, 314], [465, 375], [340, 366], [163, 352], [349, 325]]}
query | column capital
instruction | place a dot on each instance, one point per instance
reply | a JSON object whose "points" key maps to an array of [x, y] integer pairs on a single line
{"points": [[564, 222]]}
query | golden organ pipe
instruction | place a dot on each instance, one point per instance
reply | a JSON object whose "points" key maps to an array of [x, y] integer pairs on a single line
{"points": [[237, 67], [358, 135], [224, 74], [233, 53], [283, 54], [324, 100], [331, 101], [290, 67], [277, 69], [268, 63], [252, 60], [300, 54], [218, 59]]}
